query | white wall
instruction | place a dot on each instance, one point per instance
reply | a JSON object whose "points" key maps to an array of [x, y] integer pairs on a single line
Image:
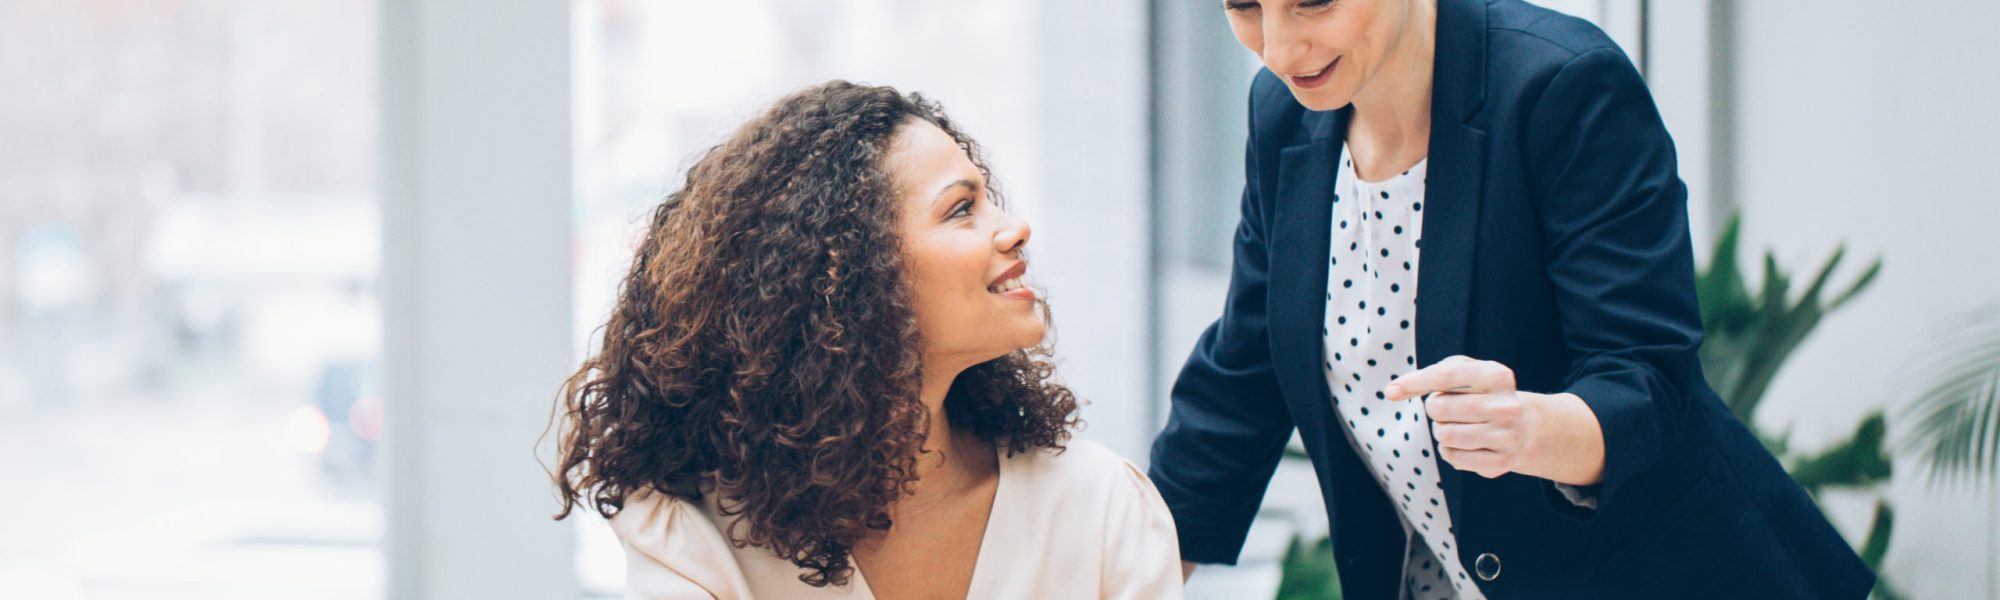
{"points": [[1095, 202], [1679, 64], [476, 205], [1873, 125]]}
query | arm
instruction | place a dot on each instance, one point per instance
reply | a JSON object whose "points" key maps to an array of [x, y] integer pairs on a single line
{"points": [[1229, 423], [1141, 552], [1614, 218]]}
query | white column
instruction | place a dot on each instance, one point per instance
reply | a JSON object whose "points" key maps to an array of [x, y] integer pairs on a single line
{"points": [[1094, 243], [1682, 66], [476, 192]]}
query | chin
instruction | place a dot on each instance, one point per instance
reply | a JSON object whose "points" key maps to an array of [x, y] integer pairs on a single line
{"points": [[1322, 100], [1030, 334], [1335, 95], [1030, 339]]}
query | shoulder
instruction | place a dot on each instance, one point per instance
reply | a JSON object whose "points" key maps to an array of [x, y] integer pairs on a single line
{"points": [[1549, 68], [1529, 47], [1080, 459], [1083, 470], [1090, 497], [1521, 29], [649, 513], [673, 549]]}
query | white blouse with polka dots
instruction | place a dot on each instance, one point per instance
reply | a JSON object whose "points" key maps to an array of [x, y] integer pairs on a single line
{"points": [[1370, 336]]}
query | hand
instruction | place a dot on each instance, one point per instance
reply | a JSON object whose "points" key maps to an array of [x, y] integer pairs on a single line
{"points": [[1484, 425]]}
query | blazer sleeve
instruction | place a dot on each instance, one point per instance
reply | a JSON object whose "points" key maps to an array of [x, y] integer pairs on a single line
{"points": [[1614, 219], [1228, 425]]}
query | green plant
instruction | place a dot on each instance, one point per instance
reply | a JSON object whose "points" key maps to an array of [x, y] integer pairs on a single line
{"points": [[1307, 572], [1954, 422], [1748, 339]]}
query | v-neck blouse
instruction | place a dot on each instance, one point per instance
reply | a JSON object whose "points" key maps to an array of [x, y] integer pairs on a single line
{"points": [[1083, 523]]}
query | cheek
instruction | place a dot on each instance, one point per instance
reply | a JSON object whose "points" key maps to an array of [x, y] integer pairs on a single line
{"points": [[941, 278], [926, 290], [1374, 33], [1335, 37]]}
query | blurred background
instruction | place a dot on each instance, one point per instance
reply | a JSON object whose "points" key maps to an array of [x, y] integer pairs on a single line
{"points": [[286, 288]]}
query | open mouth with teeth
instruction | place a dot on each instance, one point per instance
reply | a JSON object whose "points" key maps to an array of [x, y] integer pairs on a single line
{"points": [[1009, 283], [1315, 78]]}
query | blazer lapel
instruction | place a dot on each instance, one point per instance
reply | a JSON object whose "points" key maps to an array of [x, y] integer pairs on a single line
{"points": [[1451, 199], [1451, 214], [1444, 281], [1298, 255]]}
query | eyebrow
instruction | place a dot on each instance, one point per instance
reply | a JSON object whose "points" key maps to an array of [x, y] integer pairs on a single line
{"points": [[964, 183]]}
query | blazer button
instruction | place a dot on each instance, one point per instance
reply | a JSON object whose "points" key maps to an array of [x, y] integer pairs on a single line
{"points": [[1487, 566]]}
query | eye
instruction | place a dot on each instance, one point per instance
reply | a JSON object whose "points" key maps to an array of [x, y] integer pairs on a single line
{"points": [[962, 209], [1314, 3], [1239, 5]]}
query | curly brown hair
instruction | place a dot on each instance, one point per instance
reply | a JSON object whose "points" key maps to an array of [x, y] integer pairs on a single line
{"points": [[765, 341]]}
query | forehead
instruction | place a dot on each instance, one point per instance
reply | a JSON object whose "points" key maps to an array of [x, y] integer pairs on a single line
{"points": [[924, 158]]}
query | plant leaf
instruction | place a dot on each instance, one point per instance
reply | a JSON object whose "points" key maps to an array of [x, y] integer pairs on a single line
{"points": [[1307, 572], [1867, 277], [1877, 544], [1857, 462], [1953, 423]]}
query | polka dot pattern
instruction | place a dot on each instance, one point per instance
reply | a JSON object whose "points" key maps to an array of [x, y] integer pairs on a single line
{"points": [[1369, 338]]}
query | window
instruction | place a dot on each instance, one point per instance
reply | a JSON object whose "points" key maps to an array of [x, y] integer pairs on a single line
{"points": [[188, 315]]}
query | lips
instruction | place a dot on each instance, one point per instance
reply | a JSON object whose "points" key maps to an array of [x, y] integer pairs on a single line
{"points": [[1009, 283], [1316, 78]]}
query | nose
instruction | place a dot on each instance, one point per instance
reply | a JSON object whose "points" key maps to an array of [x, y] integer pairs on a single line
{"points": [[1284, 46], [1012, 236]]}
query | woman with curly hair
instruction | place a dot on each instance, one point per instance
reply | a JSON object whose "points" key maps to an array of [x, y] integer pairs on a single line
{"points": [[824, 378]]}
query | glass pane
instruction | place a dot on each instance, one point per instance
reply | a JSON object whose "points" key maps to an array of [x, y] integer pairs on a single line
{"points": [[188, 318]]}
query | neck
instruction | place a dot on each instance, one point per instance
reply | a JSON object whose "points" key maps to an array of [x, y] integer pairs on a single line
{"points": [[1393, 111], [951, 460]]}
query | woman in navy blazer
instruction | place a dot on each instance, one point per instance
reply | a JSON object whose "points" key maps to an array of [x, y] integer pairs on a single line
{"points": [[1586, 456]]}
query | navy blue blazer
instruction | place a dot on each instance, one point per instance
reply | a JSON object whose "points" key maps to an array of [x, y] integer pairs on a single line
{"points": [[1556, 243]]}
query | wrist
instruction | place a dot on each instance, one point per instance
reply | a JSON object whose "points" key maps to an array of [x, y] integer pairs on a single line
{"points": [[1569, 441]]}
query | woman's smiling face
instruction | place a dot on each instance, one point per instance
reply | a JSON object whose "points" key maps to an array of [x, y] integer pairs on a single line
{"points": [[961, 251], [1326, 51]]}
